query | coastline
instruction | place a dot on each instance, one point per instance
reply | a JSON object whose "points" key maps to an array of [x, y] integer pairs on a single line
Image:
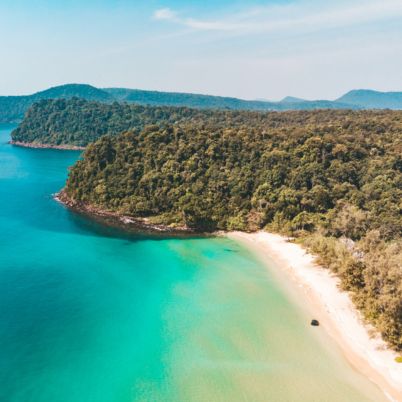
{"points": [[331, 306], [126, 223], [46, 146], [317, 286]]}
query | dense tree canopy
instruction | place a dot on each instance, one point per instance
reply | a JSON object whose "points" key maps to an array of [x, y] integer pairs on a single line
{"points": [[336, 175], [291, 166], [77, 122]]}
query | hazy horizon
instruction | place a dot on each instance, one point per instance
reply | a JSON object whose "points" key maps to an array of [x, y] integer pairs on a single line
{"points": [[198, 93], [264, 49]]}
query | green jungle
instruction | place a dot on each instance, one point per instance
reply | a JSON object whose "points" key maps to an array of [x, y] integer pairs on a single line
{"points": [[330, 178]]}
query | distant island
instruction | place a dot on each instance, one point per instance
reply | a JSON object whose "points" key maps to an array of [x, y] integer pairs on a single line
{"points": [[13, 108], [77, 122]]}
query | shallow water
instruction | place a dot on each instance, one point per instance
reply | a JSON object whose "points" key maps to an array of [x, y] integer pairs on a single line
{"points": [[88, 314]]}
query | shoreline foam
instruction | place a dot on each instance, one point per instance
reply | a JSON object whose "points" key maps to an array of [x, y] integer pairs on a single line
{"points": [[333, 307]]}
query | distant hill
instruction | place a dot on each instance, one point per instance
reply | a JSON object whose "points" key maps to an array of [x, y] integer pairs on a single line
{"points": [[156, 98], [292, 99], [369, 99], [13, 108], [67, 91]]}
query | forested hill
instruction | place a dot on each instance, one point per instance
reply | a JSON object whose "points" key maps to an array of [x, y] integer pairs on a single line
{"points": [[13, 108], [218, 102], [295, 161], [369, 99], [77, 122], [333, 177]]}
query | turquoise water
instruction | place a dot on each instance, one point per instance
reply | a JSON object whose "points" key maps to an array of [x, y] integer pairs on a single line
{"points": [[90, 315]]}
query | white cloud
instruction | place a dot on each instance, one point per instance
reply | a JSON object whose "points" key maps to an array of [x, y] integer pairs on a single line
{"points": [[293, 17], [164, 14], [210, 25]]}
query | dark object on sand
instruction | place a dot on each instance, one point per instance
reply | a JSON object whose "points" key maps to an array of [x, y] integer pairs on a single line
{"points": [[315, 323]]}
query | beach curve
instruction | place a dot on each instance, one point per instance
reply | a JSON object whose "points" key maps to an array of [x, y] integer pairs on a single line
{"points": [[365, 350]]}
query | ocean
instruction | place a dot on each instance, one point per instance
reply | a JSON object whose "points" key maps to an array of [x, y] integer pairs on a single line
{"points": [[90, 314]]}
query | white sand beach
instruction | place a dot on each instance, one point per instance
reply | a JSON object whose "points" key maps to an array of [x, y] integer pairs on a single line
{"points": [[332, 307]]}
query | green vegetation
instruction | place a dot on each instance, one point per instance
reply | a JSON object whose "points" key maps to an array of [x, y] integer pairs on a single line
{"points": [[79, 122], [332, 178], [219, 102], [13, 108], [371, 269]]}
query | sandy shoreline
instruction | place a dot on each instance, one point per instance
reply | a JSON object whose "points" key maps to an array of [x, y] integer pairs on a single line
{"points": [[332, 307]]}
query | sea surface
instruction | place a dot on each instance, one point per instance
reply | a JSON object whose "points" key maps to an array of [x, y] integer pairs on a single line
{"points": [[88, 314]]}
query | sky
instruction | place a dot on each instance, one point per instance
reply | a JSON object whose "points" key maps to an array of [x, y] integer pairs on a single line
{"points": [[248, 49]]}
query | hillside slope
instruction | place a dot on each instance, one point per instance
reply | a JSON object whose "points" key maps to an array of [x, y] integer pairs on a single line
{"points": [[77, 122], [218, 102], [13, 108], [370, 99]]}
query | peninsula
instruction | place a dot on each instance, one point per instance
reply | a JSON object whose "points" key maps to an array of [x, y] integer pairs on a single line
{"points": [[332, 179]]}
